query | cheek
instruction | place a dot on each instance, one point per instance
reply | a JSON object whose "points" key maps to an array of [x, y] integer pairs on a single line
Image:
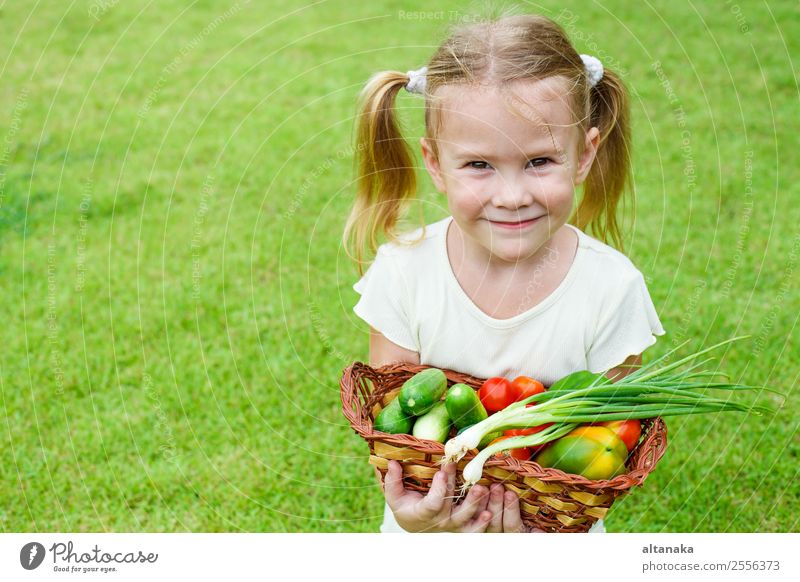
{"points": [[566, 198], [560, 194], [467, 204], [468, 193], [463, 183]]}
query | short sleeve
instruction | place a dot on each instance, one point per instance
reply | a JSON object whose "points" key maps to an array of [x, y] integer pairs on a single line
{"points": [[627, 327], [384, 302]]}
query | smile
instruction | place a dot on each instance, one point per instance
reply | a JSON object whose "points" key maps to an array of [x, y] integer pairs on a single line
{"points": [[515, 225]]}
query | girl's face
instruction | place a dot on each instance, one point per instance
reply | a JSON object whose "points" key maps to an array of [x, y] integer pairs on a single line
{"points": [[509, 180]]}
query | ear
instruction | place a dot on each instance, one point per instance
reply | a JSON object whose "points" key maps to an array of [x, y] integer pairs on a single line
{"points": [[592, 141], [432, 164]]}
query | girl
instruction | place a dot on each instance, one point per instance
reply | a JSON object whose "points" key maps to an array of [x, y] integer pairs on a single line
{"points": [[509, 284]]}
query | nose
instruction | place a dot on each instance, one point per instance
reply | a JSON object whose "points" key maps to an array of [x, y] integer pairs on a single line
{"points": [[512, 193]]}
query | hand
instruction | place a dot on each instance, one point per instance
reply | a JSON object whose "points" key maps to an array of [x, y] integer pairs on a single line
{"points": [[435, 512], [506, 516]]}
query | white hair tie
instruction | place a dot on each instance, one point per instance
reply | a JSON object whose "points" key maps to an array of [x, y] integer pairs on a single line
{"points": [[594, 69], [416, 81]]}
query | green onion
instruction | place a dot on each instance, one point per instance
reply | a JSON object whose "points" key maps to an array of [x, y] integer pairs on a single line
{"points": [[648, 392]]}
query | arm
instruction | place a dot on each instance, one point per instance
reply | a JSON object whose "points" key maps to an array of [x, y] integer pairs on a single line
{"points": [[625, 368], [383, 351]]}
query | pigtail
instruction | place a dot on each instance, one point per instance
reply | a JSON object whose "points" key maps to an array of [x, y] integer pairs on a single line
{"points": [[384, 168], [609, 176]]}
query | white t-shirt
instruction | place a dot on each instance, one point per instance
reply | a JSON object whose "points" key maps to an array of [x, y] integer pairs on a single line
{"points": [[599, 314]]}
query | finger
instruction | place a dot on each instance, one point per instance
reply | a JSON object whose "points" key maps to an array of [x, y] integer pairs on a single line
{"points": [[496, 507], [476, 501], [393, 488], [483, 502], [450, 471], [512, 517], [479, 524], [434, 501]]}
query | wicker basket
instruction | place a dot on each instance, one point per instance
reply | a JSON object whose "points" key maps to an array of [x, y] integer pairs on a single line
{"points": [[550, 499]]}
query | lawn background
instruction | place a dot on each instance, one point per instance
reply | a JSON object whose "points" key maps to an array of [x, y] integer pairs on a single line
{"points": [[177, 306]]}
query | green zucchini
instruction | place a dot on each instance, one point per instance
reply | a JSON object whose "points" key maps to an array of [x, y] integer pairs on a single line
{"points": [[463, 406], [434, 425], [393, 420], [422, 391]]}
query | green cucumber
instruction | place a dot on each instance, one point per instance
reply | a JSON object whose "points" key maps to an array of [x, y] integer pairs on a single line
{"points": [[463, 406], [422, 391], [393, 420], [433, 425]]}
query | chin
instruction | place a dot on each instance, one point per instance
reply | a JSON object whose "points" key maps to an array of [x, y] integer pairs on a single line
{"points": [[512, 253]]}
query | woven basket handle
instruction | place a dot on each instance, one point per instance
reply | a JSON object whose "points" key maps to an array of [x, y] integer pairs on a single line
{"points": [[353, 394]]}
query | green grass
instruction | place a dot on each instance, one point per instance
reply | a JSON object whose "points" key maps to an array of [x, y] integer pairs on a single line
{"points": [[172, 347]]}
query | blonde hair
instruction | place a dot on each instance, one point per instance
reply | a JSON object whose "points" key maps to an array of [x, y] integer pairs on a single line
{"points": [[494, 52]]}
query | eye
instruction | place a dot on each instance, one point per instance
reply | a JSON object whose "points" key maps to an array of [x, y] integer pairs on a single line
{"points": [[539, 162]]}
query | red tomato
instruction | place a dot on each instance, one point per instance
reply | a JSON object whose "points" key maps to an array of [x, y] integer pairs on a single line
{"points": [[522, 454], [522, 387], [526, 431], [495, 394], [522, 431], [628, 431]]}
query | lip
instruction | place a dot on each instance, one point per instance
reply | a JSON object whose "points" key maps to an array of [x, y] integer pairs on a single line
{"points": [[516, 225]]}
